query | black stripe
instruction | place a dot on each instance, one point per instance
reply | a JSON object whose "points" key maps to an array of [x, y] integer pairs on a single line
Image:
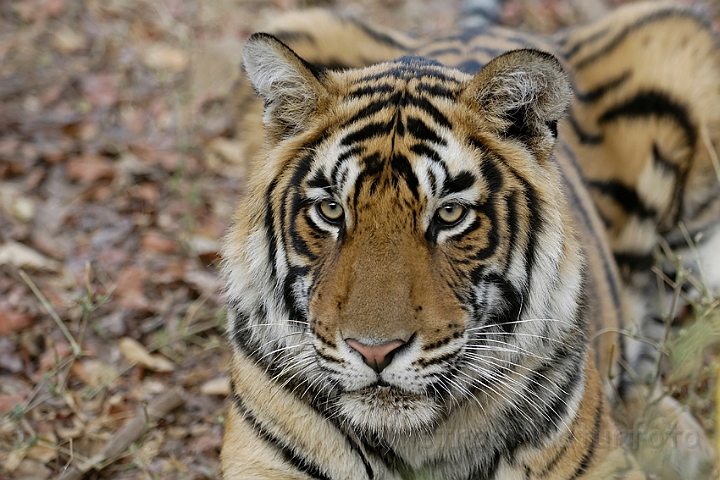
{"points": [[402, 169], [370, 90], [371, 130], [269, 223], [422, 149], [289, 455], [663, 163], [534, 228], [377, 36], [652, 104], [289, 36], [434, 361], [513, 220], [417, 128], [428, 70], [487, 469], [372, 167], [438, 90], [569, 441], [598, 92], [581, 209], [460, 182], [296, 313], [508, 317], [581, 43], [430, 109], [373, 108], [625, 196], [297, 202], [584, 137], [637, 262], [570, 358], [590, 452], [620, 37], [319, 180], [242, 331]]}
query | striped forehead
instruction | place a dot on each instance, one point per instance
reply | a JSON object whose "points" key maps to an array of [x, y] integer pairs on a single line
{"points": [[395, 118]]}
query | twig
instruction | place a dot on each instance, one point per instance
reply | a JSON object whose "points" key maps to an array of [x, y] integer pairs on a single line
{"points": [[711, 151], [129, 433], [73, 344]]}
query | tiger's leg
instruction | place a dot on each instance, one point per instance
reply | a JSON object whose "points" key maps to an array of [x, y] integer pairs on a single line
{"points": [[644, 126]]}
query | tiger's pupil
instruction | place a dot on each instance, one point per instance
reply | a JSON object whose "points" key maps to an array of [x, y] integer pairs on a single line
{"points": [[451, 213], [330, 210]]}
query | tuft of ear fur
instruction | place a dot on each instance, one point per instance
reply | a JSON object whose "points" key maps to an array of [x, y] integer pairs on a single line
{"points": [[523, 93], [290, 86]]}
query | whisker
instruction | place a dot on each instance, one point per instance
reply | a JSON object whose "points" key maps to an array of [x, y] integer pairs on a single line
{"points": [[515, 322]]}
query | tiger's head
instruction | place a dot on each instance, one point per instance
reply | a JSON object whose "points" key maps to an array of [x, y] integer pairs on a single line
{"points": [[405, 246]]}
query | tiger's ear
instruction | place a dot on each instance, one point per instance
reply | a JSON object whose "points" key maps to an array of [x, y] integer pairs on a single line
{"points": [[290, 86], [523, 93]]}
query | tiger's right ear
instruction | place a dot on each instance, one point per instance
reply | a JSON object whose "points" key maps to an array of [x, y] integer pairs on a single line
{"points": [[290, 86]]}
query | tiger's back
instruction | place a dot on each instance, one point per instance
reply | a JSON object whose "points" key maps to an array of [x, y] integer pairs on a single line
{"points": [[402, 325]]}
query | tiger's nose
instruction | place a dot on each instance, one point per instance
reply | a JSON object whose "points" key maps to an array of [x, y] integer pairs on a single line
{"points": [[377, 357]]}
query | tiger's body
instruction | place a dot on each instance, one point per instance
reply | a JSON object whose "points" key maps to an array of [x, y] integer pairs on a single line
{"points": [[419, 264]]}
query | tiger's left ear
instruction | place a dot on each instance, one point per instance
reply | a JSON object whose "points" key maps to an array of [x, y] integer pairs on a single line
{"points": [[523, 94], [290, 86]]}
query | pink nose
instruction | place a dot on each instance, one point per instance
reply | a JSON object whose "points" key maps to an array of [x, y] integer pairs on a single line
{"points": [[376, 357]]}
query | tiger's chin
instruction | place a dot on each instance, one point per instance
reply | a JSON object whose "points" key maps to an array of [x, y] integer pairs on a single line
{"points": [[386, 410]]}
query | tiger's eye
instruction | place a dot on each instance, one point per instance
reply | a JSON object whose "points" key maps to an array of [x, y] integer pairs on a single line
{"points": [[330, 210], [451, 213]]}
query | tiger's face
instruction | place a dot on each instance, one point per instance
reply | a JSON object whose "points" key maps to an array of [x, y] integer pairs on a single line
{"points": [[405, 246]]}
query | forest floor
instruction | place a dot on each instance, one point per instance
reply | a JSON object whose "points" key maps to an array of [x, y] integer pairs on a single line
{"points": [[119, 172]]}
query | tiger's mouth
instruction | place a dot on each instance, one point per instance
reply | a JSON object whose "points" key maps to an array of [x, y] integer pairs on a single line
{"points": [[381, 391], [389, 410]]}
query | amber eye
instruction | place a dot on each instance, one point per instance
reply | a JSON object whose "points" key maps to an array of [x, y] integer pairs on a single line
{"points": [[330, 211], [450, 214]]}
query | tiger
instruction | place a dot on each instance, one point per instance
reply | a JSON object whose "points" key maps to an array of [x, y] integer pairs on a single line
{"points": [[444, 241]]}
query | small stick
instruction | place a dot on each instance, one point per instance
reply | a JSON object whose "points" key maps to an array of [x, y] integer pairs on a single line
{"points": [[73, 344], [129, 433]]}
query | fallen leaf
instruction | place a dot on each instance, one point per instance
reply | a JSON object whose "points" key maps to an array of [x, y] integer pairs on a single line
{"points": [[42, 453], [90, 168], [21, 256], [13, 460], [53, 356], [100, 89], [75, 431], [8, 402], [34, 469], [206, 442], [10, 358], [54, 8], [68, 40], [232, 151], [203, 245], [13, 322], [161, 56], [95, 373], [216, 386], [136, 353], [215, 68], [157, 242], [130, 290]]}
